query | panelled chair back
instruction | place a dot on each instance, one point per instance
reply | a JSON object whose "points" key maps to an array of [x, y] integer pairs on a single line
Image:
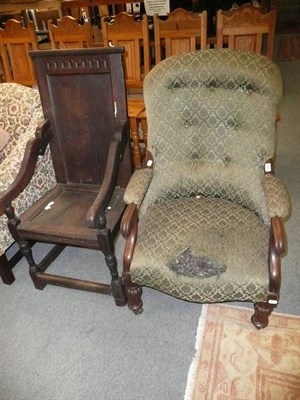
{"points": [[83, 98], [245, 27], [181, 32], [204, 220], [15, 43], [125, 31], [70, 34]]}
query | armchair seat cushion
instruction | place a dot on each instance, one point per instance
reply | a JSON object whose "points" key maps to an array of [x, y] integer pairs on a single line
{"points": [[215, 229]]}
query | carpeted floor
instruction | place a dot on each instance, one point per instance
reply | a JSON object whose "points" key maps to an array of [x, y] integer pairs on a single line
{"points": [[235, 361]]}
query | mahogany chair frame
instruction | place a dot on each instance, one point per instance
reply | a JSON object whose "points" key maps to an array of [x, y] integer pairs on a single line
{"points": [[180, 33], [15, 43], [244, 28], [70, 34]]}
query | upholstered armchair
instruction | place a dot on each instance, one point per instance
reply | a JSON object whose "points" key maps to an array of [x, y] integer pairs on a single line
{"points": [[20, 112], [204, 220]]}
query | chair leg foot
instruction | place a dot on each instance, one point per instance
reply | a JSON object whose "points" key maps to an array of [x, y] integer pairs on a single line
{"points": [[118, 291], [262, 311], [36, 282], [5, 270], [135, 303]]}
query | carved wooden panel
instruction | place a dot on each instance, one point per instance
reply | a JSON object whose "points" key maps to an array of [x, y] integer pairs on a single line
{"points": [[179, 33], [244, 27], [83, 95]]}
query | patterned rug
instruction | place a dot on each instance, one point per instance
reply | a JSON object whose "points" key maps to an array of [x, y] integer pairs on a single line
{"points": [[235, 361]]}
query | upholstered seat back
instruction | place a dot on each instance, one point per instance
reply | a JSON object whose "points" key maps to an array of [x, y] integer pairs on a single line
{"points": [[213, 127]]}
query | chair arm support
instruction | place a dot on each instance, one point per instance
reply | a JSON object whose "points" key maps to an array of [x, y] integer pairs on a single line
{"points": [[129, 230], [43, 132], [24, 176], [95, 215], [277, 232], [276, 249]]}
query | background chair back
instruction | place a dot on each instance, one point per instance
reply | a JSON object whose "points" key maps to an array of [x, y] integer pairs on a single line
{"points": [[181, 32], [15, 43], [245, 27], [125, 31], [70, 34]]}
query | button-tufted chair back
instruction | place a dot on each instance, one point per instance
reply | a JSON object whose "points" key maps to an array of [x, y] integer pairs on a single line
{"points": [[212, 129]]}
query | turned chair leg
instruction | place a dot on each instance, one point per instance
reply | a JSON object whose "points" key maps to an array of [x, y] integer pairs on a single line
{"points": [[117, 286], [262, 311], [107, 247], [33, 268]]}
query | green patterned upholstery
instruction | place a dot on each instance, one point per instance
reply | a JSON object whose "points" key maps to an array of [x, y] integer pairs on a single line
{"points": [[211, 128], [217, 228], [277, 197], [138, 186], [215, 122]]}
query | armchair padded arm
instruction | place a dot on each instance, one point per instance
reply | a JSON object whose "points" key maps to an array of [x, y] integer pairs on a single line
{"points": [[138, 186], [277, 197], [96, 210], [35, 147]]}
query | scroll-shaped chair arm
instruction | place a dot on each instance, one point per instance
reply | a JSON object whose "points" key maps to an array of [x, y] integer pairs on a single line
{"points": [[276, 249], [129, 230], [277, 232], [96, 211]]}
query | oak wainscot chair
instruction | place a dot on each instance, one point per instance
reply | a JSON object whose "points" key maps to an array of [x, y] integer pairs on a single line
{"points": [[83, 97], [245, 27], [15, 43], [125, 31], [204, 220]]}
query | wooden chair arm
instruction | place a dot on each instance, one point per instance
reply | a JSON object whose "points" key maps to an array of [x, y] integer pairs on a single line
{"points": [[24, 176], [276, 249], [129, 229], [95, 215], [130, 218], [43, 132], [278, 235]]}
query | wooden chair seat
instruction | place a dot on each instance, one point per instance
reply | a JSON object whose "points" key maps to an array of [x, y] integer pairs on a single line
{"points": [[60, 216]]}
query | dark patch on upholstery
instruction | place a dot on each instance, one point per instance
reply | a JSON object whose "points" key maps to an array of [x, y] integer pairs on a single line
{"points": [[243, 84], [188, 264]]}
